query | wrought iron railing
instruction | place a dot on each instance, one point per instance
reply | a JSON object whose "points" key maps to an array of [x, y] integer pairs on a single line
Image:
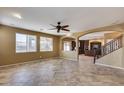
{"points": [[109, 47]]}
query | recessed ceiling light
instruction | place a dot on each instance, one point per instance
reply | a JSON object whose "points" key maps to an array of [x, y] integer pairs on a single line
{"points": [[17, 15]]}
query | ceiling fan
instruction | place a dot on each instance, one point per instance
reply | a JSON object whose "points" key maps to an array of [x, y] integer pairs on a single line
{"points": [[59, 27]]}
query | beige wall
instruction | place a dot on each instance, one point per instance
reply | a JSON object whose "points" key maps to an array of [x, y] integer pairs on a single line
{"points": [[7, 46], [113, 35], [123, 51], [113, 59]]}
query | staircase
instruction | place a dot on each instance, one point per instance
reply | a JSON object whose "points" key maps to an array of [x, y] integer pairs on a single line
{"points": [[109, 48]]}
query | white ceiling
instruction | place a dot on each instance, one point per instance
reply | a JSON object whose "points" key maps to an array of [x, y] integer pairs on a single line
{"points": [[96, 35], [79, 19]]}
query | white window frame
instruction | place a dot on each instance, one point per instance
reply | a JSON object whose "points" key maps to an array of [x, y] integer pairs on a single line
{"points": [[27, 43], [46, 50]]}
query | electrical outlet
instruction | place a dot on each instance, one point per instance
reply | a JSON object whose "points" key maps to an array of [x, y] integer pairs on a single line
{"points": [[40, 56]]}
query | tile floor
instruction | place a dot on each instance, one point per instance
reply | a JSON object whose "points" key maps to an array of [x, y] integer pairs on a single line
{"points": [[61, 72]]}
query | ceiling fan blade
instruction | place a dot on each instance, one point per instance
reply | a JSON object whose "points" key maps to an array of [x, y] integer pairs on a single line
{"points": [[52, 25], [52, 29], [65, 29], [65, 26]]}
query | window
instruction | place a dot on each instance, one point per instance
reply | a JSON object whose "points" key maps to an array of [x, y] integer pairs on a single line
{"points": [[46, 44], [31, 43], [20, 43], [67, 46], [25, 43]]}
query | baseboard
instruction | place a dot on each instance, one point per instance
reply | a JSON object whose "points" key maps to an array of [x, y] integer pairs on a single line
{"points": [[109, 66], [22, 63]]}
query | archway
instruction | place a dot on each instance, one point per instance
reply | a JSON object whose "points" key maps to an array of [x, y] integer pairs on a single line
{"points": [[77, 35], [68, 48], [90, 40]]}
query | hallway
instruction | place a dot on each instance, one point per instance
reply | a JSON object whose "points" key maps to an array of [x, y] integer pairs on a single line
{"points": [[61, 72]]}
